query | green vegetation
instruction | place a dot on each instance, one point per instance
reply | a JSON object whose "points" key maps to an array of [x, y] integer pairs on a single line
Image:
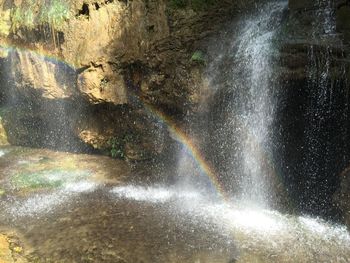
{"points": [[31, 13], [116, 148], [56, 13], [47, 178], [117, 144], [20, 18], [199, 57], [194, 4]]}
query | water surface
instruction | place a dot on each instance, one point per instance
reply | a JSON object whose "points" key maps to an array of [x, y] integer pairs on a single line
{"points": [[80, 208]]}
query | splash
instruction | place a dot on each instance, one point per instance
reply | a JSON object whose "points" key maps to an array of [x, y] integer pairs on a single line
{"points": [[256, 232], [41, 204], [152, 194]]}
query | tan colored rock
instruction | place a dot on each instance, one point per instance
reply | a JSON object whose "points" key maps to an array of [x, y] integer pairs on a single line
{"points": [[114, 31], [93, 138], [107, 44], [5, 252], [3, 134], [52, 79], [102, 85], [5, 22], [96, 35]]}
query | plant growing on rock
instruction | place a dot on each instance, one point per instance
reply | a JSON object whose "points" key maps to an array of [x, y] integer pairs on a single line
{"points": [[116, 148], [198, 57], [30, 14], [57, 13]]}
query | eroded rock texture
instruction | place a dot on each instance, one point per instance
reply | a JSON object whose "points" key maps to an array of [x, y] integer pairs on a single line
{"points": [[91, 75]]}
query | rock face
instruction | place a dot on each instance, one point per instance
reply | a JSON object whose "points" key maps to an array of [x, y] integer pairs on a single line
{"points": [[313, 113], [91, 75]]}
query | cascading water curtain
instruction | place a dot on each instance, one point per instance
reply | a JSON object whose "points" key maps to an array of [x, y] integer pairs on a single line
{"points": [[247, 107], [326, 114]]}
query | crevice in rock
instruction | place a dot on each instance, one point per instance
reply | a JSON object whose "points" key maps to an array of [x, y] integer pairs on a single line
{"points": [[84, 11]]}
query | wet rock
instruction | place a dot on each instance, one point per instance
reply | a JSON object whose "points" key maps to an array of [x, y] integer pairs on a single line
{"points": [[107, 53], [342, 196], [300, 4], [343, 22]]}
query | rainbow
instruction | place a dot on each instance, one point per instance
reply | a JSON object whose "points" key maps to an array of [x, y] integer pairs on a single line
{"points": [[44, 55], [205, 167], [179, 134], [190, 148]]}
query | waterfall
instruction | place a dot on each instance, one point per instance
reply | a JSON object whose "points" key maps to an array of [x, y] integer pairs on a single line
{"points": [[246, 135], [326, 111], [257, 106]]}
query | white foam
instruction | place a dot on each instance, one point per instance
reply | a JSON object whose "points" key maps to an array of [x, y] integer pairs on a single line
{"points": [[38, 204], [313, 225], [45, 203], [152, 194], [80, 187], [250, 227]]}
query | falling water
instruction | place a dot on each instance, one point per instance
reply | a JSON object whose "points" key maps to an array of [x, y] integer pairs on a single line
{"points": [[179, 223], [256, 113], [325, 112], [248, 128]]}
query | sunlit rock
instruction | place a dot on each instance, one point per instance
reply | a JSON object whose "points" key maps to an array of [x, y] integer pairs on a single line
{"points": [[11, 250], [5, 252], [34, 74], [102, 87], [3, 133]]}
